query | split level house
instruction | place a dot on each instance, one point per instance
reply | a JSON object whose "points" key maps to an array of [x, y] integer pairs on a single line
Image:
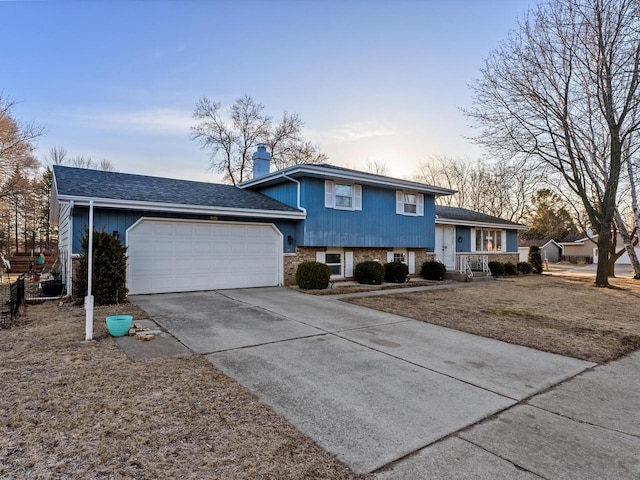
{"points": [[187, 236]]}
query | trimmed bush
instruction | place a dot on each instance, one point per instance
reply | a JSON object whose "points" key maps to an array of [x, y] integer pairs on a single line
{"points": [[395, 272], [524, 268], [109, 284], [313, 275], [497, 268], [535, 259], [510, 269], [369, 273], [433, 270]]}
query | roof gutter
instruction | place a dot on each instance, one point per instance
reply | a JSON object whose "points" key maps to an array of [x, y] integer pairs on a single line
{"points": [[469, 223], [177, 208]]}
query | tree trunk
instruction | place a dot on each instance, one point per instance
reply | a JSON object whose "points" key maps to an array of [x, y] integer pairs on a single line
{"points": [[602, 272]]}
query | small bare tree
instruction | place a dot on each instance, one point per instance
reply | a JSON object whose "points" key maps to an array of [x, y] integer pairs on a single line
{"points": [[232, 142]]}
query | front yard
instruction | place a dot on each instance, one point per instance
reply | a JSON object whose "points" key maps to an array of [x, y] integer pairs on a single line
{"points": [[562, 315], [76, 409]]}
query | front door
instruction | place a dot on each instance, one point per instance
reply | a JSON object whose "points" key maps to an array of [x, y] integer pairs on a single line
{"points": [[446, 246]]}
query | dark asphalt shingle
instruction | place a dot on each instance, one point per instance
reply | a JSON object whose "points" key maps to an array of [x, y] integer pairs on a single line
{"points": [[454, 213], [82, 182]]}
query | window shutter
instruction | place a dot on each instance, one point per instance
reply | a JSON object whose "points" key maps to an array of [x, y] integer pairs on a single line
{"points": [[399, 202], [357, 197], [420, 207], [412, 262], [329, 194], [389, 257], [320, 257], [348, 264], [473, 240]]}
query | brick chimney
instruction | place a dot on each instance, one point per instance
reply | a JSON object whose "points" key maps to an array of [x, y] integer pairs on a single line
{"points": [[261, 161]]}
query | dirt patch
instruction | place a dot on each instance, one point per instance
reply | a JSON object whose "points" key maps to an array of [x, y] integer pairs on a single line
{"points": [[569, 316], [76, 409]]}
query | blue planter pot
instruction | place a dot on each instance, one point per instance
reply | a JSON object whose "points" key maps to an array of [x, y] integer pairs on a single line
{"points": [[119, 325]]}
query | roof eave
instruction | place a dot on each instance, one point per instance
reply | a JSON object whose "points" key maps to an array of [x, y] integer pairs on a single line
{"points": [[179, 208], [469, 223], [362, 177]]}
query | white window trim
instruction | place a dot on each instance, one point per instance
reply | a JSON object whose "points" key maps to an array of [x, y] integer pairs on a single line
{"points": [[330, 195], [322, 258], [400, 203], [503, 240]]}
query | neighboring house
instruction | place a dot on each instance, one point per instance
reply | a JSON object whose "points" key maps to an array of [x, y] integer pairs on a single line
{"points": [[186, 236], [549, 249], [585, 250], [465, 236]]}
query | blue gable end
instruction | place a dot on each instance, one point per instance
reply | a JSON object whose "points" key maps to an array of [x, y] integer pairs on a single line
{"points": [[376, 225]]}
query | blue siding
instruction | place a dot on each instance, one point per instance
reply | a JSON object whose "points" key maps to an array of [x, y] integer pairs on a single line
{"points": [[286, 193], [121, 220], [512, 241], [465, 233], [376, 225]]}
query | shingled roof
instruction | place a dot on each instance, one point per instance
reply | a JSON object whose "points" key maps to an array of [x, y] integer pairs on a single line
{"points": [[470, 216], [97, 184]]}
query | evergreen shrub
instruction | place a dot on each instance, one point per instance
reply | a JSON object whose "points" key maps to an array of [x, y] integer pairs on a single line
{"points": [[109, 282], [535, 259], [497, 268], [313, 275], [396, 272], [433, 270], [369, 273], [510, 269], [524, 268]]}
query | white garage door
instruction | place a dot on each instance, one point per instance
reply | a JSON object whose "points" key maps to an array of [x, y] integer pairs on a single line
{"points": [[182, 256]]}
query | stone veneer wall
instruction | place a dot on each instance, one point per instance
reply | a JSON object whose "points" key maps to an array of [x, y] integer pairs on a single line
{"points": [[503, 257], [308, 254]]}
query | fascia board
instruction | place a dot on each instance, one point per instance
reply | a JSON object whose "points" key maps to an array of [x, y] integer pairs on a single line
{"points": [[364, 178], [177, 208], [467, 223]]}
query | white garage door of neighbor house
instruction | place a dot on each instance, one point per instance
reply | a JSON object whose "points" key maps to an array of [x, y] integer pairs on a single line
{"points": [[182, 256]]}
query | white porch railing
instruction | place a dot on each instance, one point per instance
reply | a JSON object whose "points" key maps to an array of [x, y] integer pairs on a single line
{"points": [[467, 264]]}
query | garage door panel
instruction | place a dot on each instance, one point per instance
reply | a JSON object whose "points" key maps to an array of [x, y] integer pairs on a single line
{"points": [[175, 256]]}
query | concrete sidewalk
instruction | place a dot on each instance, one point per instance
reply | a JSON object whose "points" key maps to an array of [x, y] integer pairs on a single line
{"points": [[385, 393]]}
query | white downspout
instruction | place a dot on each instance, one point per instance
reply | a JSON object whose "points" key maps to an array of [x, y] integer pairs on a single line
{"points": [[284, 175], [88, 300], [70, 250]]}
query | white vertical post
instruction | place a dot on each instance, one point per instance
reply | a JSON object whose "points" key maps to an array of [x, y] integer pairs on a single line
{"points": [[88, 300]]}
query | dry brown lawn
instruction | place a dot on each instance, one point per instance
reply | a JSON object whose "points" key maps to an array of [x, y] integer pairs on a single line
{"points": [[564, 315], [77, 410]]}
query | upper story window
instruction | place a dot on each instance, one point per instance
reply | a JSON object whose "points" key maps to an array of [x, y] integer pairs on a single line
{"points": [[342, 196], [411, 204], [488, 240]]}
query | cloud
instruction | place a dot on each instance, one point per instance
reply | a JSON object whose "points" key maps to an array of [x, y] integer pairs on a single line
{"points": [[153, 121], [352, 132]]}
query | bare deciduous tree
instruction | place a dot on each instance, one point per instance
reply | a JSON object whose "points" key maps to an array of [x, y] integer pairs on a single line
{"points": [[491, 188], [562, 91], [16, 146], [378, 167], [233, 141]]}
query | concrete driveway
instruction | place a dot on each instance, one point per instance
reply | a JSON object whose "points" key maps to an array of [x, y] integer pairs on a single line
{"points": [[367, 386]]}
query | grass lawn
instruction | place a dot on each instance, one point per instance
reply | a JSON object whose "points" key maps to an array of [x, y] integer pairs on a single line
{"points": [[76, 409], [565, 315]]}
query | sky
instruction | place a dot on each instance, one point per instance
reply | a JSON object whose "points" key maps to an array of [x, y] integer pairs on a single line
{"points": [[373, 81]]}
